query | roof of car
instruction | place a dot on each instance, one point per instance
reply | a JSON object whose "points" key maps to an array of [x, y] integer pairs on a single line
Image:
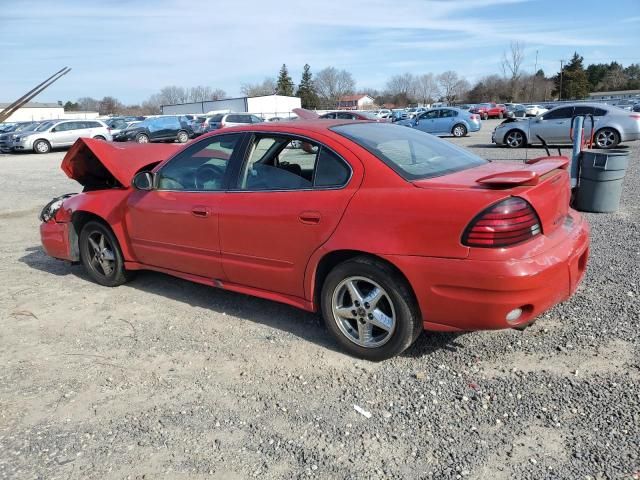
{"points": [[318, 126]]}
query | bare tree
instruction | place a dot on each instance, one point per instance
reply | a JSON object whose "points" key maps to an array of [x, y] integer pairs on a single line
{"points": [[447, 81], [88, 104], [267, 87], [332, 84], [172, 95], [403, 84], [426, 88], [512, 66], [202, 93], [110, 106]]}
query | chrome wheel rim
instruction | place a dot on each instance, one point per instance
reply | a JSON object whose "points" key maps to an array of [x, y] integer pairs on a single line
{"points": [[102, 258], [42, 147], [143, 139], [606, 138], [363, 311], [458, 131], [514, 139], [182, 138]]}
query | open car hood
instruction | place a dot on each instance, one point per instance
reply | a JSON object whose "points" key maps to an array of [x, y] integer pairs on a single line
{"points": [[99, 164]]}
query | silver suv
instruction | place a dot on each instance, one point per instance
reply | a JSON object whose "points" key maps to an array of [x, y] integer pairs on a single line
{"points": [[59, 133]]}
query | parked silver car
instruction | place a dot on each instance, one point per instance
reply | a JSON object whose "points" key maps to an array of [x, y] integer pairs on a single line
{"points": [[612, 126], [7, 136], [59, 133]]}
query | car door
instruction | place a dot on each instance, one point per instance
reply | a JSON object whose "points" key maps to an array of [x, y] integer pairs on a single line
{"points": [[426, 122], [79, 129], [444, 122], [553, 126], [290, 195], [175, 226], [62, 134]]}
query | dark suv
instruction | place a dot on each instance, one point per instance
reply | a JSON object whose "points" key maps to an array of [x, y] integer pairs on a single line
{"points": [[158, 129]]}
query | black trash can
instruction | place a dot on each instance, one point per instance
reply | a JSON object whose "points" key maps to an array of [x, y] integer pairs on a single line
{"points": [[600, 180]]}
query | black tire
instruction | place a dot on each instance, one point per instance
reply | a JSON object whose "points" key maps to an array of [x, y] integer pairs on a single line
{"points": [[93, 259], [459, 130], [99, 137], [515, 138], [41, 146], [182, 137], [142, 138], [398, 294], [606, 138], [485, 116]]}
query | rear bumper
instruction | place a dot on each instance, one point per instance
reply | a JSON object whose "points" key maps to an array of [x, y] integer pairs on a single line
{"points": [[464, 295], [55, 239]]}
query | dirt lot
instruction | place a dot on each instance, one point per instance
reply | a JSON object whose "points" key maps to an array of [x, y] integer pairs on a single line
{"points": [[164, 378]]}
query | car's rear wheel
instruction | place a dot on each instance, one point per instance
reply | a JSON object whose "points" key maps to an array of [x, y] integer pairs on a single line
{"points": [[607, 138], [142, 138], [459, 130], [41, 146], [485, 116], [183, 137], [370, 309], [515, 139], [101, 255], [99, 137]]}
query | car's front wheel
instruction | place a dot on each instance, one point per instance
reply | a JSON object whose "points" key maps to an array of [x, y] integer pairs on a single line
{"points": [[41, 146], [515, 139], [370, 309], [101, 255], [142, 138]]}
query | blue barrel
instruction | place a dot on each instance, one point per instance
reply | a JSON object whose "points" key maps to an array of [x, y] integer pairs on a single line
{"points": [[600, 180]]}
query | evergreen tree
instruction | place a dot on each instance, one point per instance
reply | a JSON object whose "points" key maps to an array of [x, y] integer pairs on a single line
{"points": [[307, 90], [285, 84], [572, 83]]}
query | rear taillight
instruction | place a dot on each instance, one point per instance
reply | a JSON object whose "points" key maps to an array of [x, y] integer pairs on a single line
{"points": [[506, 223], [637, 117], [221, 125], [475, 117]]}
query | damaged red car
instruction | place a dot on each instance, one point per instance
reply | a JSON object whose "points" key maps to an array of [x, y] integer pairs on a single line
{"points": [[384, 229]]}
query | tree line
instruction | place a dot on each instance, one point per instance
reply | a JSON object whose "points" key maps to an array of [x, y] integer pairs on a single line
{"points": [[324, 89]]}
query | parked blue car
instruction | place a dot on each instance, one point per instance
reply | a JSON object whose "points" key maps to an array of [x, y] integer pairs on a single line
{"points": [[445, 121]]}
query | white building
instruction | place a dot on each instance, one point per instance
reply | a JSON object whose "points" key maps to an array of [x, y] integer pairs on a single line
{"points": [[267, 106], [43, 111], [356, 102], [615, 95]]}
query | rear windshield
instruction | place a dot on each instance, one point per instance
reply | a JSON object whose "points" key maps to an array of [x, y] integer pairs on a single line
{"points": [[216, 118], [411, 153]]}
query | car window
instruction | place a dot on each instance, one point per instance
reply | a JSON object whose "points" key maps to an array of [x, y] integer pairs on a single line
{"points": [[329, 115], [448, 113], [431, 114], [216, 118], [331, 170], [63, 127], [256, 119], [201, 167], [586, 109], [233, 119], [345, 116], [563, 112], [94, 125], [411, 153]]}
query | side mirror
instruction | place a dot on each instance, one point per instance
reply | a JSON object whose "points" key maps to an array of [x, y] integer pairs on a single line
{"points": [[538, 119], [143, 181]]}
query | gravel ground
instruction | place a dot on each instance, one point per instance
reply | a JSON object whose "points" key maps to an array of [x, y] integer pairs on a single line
{"points": [[164, 378]]}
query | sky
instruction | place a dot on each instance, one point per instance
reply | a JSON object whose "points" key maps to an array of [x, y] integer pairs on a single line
{"points": [[131, 48]]}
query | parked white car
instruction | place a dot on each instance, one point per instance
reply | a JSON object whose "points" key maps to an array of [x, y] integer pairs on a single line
{"points": [[60, 133], [534, 110]]}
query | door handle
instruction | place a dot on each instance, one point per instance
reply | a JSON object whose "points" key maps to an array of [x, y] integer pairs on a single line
{"points": [[310, 218], [200, 211]]}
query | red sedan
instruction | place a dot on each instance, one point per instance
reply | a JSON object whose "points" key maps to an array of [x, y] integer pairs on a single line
{"points": [[384, 229], [490, 110]]}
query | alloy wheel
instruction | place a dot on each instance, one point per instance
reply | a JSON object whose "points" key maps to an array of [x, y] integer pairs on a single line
{"points": [[459, 131], [363, 311], [142, 139], [606, 138], [514, 139], [101, 251], [42, 147]]}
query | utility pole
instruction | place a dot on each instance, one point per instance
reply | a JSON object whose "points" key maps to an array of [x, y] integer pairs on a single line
{"points": [[533, 79], [560, 94]]}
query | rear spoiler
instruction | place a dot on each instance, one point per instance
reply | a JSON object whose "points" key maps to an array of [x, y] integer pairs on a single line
{"points": [[530, 173]]}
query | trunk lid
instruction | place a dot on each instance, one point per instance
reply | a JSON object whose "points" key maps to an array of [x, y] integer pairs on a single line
{"points": [[97, 164], [543, 182]]}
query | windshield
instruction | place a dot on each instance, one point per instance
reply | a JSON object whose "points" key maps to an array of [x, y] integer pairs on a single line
{"points": [[27, 127], [411, 153], [216, 118], [42, 127]]}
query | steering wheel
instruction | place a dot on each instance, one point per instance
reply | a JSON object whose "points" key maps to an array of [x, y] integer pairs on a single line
{"points": [[207, 173]]}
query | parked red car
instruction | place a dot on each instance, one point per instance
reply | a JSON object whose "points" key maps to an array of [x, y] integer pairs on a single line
{"points": [[490, 110], [385, 229]]}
